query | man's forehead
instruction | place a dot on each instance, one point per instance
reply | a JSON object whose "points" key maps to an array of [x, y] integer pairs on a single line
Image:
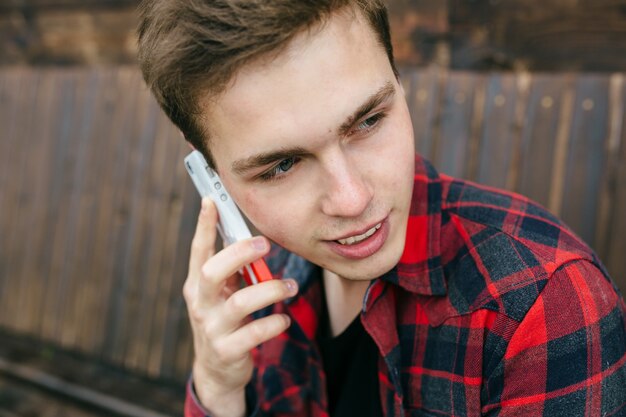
{"points": [[344, 30]]}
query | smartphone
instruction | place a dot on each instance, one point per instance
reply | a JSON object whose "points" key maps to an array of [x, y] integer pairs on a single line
{"points": [[231, 225]]}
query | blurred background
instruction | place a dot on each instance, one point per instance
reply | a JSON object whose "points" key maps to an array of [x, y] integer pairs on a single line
{"points": [[97, 214]]}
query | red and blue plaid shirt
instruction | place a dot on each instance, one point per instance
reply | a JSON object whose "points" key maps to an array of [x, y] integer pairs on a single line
{"points": [[495, 309]]}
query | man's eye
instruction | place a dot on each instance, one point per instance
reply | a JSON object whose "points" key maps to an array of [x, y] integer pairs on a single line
{"points": [[370, 122], [279, 169]]}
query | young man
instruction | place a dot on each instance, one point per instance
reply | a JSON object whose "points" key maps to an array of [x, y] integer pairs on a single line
{"points": [[403, 291]]}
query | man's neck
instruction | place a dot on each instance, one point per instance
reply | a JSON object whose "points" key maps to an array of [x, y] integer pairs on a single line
{"points": [[344, 299]]}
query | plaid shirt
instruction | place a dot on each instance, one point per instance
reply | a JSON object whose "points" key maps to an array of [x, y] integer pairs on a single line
{"points": [[495, 308]]}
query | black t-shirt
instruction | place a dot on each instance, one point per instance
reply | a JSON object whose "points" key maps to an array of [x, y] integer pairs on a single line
{"points": [[351, 365]]}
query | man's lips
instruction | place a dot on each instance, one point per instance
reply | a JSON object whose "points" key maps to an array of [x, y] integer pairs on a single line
{"points": [[358, 232], [357, 237], [351, 248]]}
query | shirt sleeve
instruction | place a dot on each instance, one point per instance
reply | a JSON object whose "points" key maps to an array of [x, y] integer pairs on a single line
{"points": [[568, 355], [193, 407]]}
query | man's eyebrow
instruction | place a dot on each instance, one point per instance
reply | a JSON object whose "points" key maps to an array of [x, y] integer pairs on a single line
{"points": [[383, 94], [242, 166]]}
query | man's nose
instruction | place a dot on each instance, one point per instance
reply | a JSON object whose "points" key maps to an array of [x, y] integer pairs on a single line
{"points": [[346, 192]]}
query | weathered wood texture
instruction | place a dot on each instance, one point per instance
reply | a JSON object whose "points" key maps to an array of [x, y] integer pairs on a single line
{"points": [[552, 35], [95, 217], [585, 35], [97, 213], [67, 33]]}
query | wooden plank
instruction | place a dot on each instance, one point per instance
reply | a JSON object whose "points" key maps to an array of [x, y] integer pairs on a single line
{"points": [[615, 260], [120, 98], [58, 216], [523, 82], [185, 353], [123, 176], [500, 132], [41, 142], [132, 280], [25, 172], [178, 347], [91, 294], [9, 99], [159, 181], [452, 154], [96, 134], [176, 362], [436, 134], [74, 266], [16, 195], [141, 245], [586, 159], [170, 289], [539, 136], [14, 97], [170, 223], [476, 129], [606, 201], [562, 143], [424, 102], [48, 176], [7, 104]]}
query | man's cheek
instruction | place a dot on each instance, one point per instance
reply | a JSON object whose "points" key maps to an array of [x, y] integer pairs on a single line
{"points": [[271, 221], [280, 235]]}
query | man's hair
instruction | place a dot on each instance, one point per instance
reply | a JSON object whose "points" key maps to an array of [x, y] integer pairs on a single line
{"points": [[189, 49]]}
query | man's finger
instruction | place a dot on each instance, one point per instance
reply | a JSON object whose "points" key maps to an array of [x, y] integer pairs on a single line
{"points": [[218, 268], [255, 297], [203, 243], [256, 332]]}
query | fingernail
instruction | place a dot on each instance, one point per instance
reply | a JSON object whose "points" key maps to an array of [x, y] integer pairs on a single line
{"points": [[292, 286], [259, 244]]}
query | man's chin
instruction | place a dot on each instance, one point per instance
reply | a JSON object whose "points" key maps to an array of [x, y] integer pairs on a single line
{"points": [[368, 275], [366, 269]]}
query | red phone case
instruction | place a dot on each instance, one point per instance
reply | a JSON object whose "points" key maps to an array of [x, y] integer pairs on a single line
{"points": [[260, 269]]}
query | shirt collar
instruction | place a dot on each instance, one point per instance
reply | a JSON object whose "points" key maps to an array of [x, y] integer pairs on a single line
{"points": [[420, 268]]}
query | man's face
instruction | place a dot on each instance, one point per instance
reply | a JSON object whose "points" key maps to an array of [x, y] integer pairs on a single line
{"points": [[316, 147]]}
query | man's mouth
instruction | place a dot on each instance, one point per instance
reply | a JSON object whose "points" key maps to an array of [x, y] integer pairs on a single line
{"points": [[358, 238], [362, 245]]}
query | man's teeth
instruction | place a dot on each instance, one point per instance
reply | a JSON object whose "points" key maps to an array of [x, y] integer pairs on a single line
{"points": [[354, 239]]}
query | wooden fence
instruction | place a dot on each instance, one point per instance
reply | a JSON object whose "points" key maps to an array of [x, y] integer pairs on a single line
{"points": [[96, 211]]}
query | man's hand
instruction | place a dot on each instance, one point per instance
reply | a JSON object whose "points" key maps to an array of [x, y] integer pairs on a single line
{"points": [[219, 312]]}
